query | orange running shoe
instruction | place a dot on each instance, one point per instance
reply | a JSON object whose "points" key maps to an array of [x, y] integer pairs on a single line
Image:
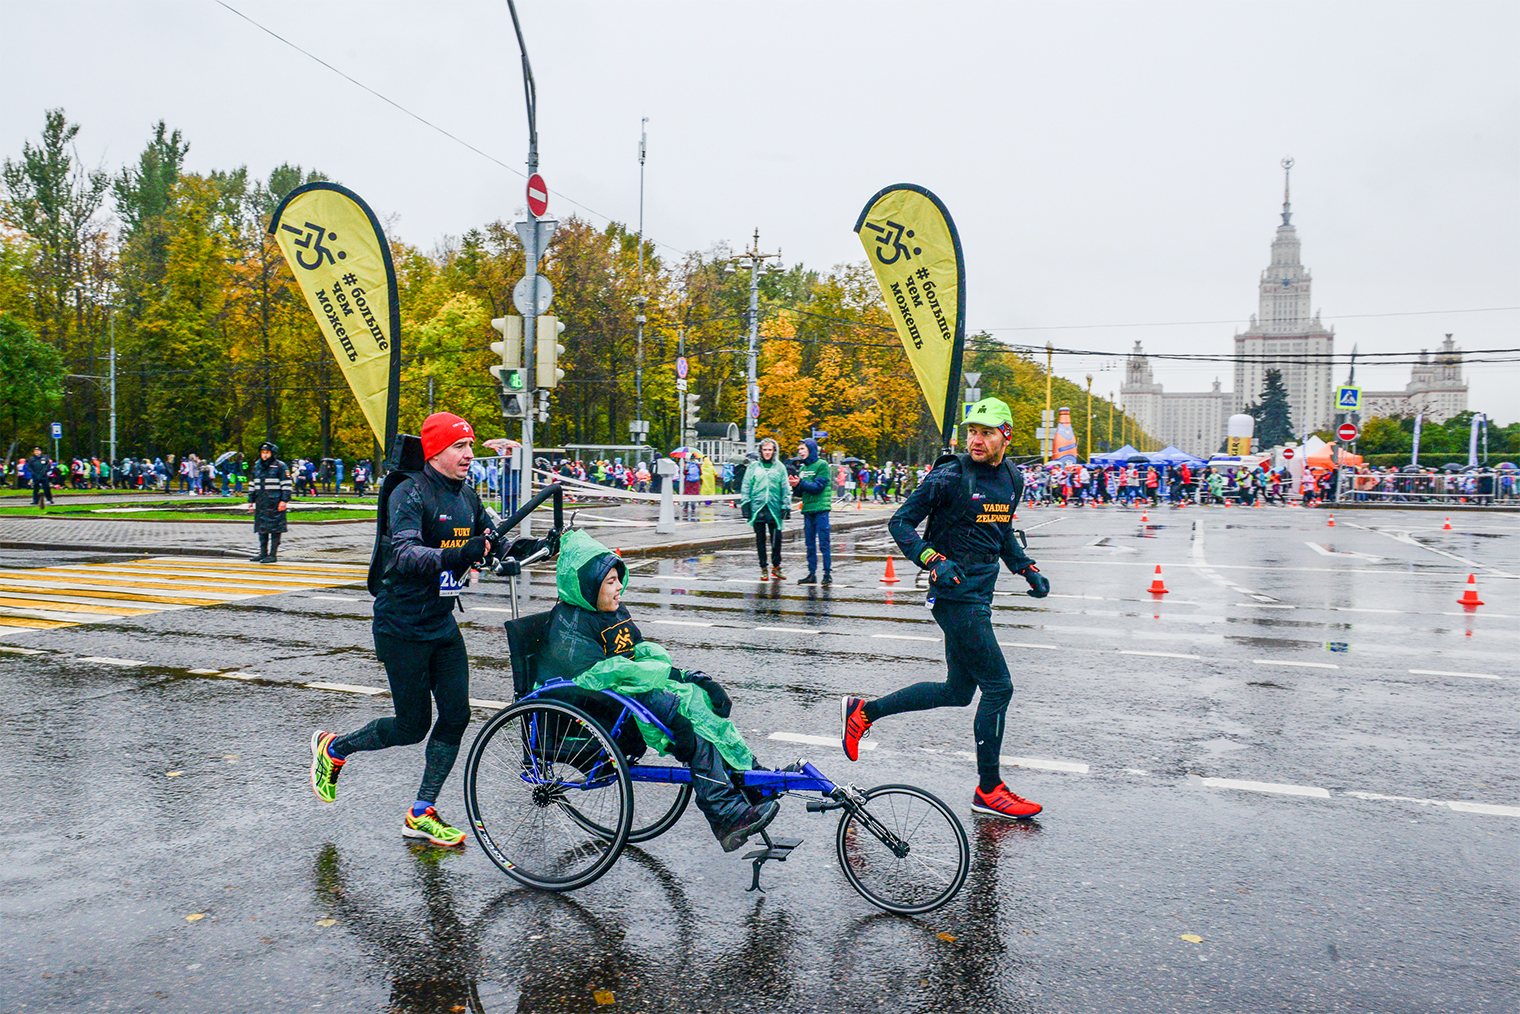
{"points": [[856, 726], [1002, 803]]}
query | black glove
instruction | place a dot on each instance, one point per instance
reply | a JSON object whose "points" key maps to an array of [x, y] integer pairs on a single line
{"points": [[1039, 584], [945, 573], [458, 559], [721, 704]]}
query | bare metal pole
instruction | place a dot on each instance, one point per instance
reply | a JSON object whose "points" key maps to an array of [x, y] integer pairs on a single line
{"points": [[638, 371]]}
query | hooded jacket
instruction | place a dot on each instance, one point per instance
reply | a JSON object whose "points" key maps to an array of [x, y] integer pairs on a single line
{"points": [[606, 651], [766, 489], [815, 480]]}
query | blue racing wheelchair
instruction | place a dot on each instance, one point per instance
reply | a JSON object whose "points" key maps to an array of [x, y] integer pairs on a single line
{"points": [[549, 791]]}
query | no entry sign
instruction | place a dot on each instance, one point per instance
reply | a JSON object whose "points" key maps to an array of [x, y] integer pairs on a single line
{"points": [[1347, 432], [538, 195], [1288, 453]]}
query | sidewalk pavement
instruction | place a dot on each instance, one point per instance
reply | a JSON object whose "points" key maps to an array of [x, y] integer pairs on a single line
{"points": [[629, 528]]}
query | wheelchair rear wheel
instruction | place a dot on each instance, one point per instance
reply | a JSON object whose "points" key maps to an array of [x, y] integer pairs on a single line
{"points": [[656, 808], [540, 776], [903, 850]]}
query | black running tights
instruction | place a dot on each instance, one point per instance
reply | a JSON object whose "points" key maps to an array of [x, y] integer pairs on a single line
{"points": [[974, 660], [420, 672]]}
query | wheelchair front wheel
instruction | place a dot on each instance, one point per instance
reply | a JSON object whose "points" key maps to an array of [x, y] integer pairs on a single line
{"points": [[540, 775], [903, 850]]}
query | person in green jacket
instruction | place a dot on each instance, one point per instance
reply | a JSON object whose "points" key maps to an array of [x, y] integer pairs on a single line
{"points": [[766, 499], [815, 485], [593, 641]]}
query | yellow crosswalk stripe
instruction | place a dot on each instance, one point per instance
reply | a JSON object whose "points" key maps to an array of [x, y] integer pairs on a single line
{"points": [[48, 597]]}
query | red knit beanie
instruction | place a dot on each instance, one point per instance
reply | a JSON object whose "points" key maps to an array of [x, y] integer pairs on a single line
{"points": [[440, 430]]}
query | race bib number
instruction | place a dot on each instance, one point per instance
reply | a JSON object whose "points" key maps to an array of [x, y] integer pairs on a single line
{"points": [[449, 586]]}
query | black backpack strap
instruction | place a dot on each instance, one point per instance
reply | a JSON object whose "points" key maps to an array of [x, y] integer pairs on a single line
{"points": [[377, 555]]}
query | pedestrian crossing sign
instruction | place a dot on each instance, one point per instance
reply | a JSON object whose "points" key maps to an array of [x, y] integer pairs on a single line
{"points": [[1348, 399]]}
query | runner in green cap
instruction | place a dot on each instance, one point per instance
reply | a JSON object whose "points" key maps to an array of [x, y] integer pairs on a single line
{"points": [[969, 501]]}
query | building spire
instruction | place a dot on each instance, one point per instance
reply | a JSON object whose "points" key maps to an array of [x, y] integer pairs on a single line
{"points": [[1287, 211]]}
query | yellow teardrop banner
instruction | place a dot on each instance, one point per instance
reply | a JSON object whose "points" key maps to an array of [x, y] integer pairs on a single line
{"points": [[339, 256], [912, 245]]}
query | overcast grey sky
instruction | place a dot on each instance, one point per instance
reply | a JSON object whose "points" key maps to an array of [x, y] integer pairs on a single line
{"points": [[1106, 164]]}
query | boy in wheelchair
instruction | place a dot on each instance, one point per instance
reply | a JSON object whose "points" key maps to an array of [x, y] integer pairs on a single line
{"points": [[591, 640]]}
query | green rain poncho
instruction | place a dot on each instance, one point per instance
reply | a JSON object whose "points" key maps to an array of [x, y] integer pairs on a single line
{"points": [[604, 651]]}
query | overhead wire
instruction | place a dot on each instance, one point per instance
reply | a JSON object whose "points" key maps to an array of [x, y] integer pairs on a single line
{"points": [[424, 120]]}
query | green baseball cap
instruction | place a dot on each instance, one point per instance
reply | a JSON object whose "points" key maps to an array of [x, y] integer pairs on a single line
{"points": [[989, 412]]}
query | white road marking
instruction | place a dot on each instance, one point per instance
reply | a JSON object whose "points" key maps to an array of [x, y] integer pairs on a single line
{"points": [[1159, 654], [1284, 790], [1022, 644], [788, 630], [239, 675], [1261, 605], [1349, 609], [1327, 551], [905, 637], [1440, 672], [104, 660], [487, 609], [1488, 808], [1379, 797], [1044, 765], [478, 702], [1300, 665], [1136, 771], [21, 651], [1033, 763], [680, 623], [795, 737], [203, 672], [332, 598], [349, 688]]}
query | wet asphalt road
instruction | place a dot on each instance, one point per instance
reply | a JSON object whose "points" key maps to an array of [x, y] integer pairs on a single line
{"points": [[1278, 757]]}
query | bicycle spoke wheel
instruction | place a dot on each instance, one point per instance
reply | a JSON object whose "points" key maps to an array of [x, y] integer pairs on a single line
{"points": [[904, 850], [548, 795], [656, 808]]}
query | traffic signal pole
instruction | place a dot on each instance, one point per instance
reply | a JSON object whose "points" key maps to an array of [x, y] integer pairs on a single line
{"points": [[752, 259], [531, 254]]}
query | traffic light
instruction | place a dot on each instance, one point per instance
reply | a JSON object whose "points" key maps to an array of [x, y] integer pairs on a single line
{"points": [[547, 351], [509, 374], [693, 411]]}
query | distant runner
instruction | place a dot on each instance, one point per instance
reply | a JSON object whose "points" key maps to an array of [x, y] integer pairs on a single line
{"points": [[969, 500]]}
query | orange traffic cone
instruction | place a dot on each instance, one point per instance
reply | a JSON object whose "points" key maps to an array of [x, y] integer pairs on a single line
{"points": [[1158, 587], [890, 577], [1470, 596], [1446, 527], [1331, 522], [1144, 517]]}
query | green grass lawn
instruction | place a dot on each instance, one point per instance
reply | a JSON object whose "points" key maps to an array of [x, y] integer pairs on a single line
{"points": [[185, 509]]}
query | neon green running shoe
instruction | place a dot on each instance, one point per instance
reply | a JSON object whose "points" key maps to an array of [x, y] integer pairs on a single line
{"points": [[431, 827], [324, 770]]}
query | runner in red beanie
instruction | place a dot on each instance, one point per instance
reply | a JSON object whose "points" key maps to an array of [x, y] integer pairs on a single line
{"points": [[436, 531], [440, 430]]}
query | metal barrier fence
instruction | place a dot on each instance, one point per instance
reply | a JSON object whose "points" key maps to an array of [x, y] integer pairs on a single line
{"points": [[1485, 487]]}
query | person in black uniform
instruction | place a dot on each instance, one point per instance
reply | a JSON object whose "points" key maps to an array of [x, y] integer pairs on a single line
{"points": [[39, 469], [969, 501], [434, 531], [268, 496]]}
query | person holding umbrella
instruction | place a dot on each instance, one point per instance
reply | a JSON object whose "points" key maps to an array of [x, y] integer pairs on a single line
{"points": [[269, 495]]}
